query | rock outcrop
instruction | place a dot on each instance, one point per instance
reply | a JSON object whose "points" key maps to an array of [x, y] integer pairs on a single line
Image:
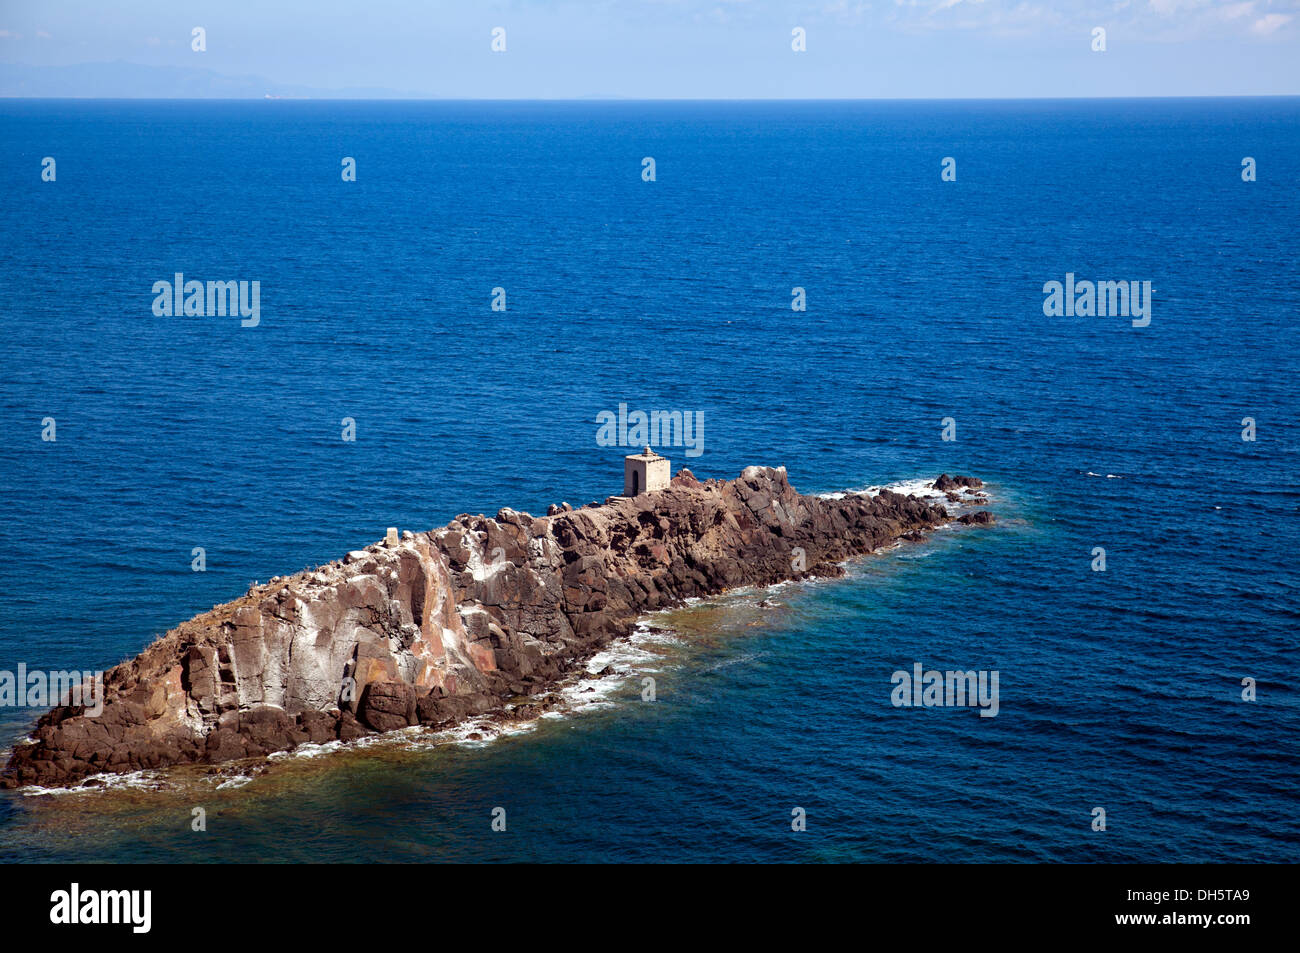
{"points": [[443, 625], [948, 483]]}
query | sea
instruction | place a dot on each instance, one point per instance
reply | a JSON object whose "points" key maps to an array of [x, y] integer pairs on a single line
{"points": [[498, 275]]}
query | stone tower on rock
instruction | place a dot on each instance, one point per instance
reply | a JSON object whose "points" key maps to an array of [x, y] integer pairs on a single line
{"points": [[645, 473]]}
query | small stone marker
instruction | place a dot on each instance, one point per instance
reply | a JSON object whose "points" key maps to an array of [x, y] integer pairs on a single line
{"points": [[391, 538]]}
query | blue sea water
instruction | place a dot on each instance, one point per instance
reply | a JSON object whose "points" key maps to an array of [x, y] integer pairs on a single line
{"points": [[1118, 689]]}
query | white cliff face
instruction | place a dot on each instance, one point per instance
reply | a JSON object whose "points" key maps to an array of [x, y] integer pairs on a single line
{"points": [[314, 642]]}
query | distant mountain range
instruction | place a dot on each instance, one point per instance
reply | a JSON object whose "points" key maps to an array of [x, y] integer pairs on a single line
{"points": [[122, 80]]}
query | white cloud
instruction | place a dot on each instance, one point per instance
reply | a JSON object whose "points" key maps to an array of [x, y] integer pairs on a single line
{"points": [[1270, 23]]}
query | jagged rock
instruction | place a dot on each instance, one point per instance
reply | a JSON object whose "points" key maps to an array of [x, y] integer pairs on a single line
{"points": [[978, 518], [946, 482], [439, 711], [319, 726], [454, 622], [387, 706], [349, 728]]}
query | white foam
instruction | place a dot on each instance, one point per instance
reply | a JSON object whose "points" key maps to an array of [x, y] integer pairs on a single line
{"points": [[627, 659], [95, 783], [305, 750], [310, 750], [474, 732], [921, 488]]}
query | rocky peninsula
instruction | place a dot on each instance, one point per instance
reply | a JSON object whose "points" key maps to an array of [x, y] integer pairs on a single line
{"points": [[435, 627]]}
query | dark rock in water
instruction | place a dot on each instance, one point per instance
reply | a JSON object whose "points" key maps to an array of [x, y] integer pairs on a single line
{"points": [[978, 518], [349, 728], [947, 483], [452, 623], [320, 726]]}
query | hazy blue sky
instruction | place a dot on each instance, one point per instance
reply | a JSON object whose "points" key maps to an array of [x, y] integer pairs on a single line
{"points": [[666, 48]]}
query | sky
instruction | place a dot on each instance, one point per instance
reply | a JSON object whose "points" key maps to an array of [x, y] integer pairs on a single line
{"points": [[650, 49]]}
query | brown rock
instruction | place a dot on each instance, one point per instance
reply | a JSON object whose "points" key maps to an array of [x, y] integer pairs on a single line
{"points": [[387, 706], [454, 622]]}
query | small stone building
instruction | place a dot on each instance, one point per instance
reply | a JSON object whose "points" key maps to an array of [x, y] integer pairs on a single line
{"points": [[645, 473]]}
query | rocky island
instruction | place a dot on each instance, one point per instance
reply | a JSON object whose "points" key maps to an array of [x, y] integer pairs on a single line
{"points": [[478, 616]]}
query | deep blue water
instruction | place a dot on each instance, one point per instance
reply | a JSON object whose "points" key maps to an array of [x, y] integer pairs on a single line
{"points": [[1118, 689]]}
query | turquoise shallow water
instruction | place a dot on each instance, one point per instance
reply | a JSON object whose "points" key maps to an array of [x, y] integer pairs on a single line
{"points": [[1118, 689]]}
